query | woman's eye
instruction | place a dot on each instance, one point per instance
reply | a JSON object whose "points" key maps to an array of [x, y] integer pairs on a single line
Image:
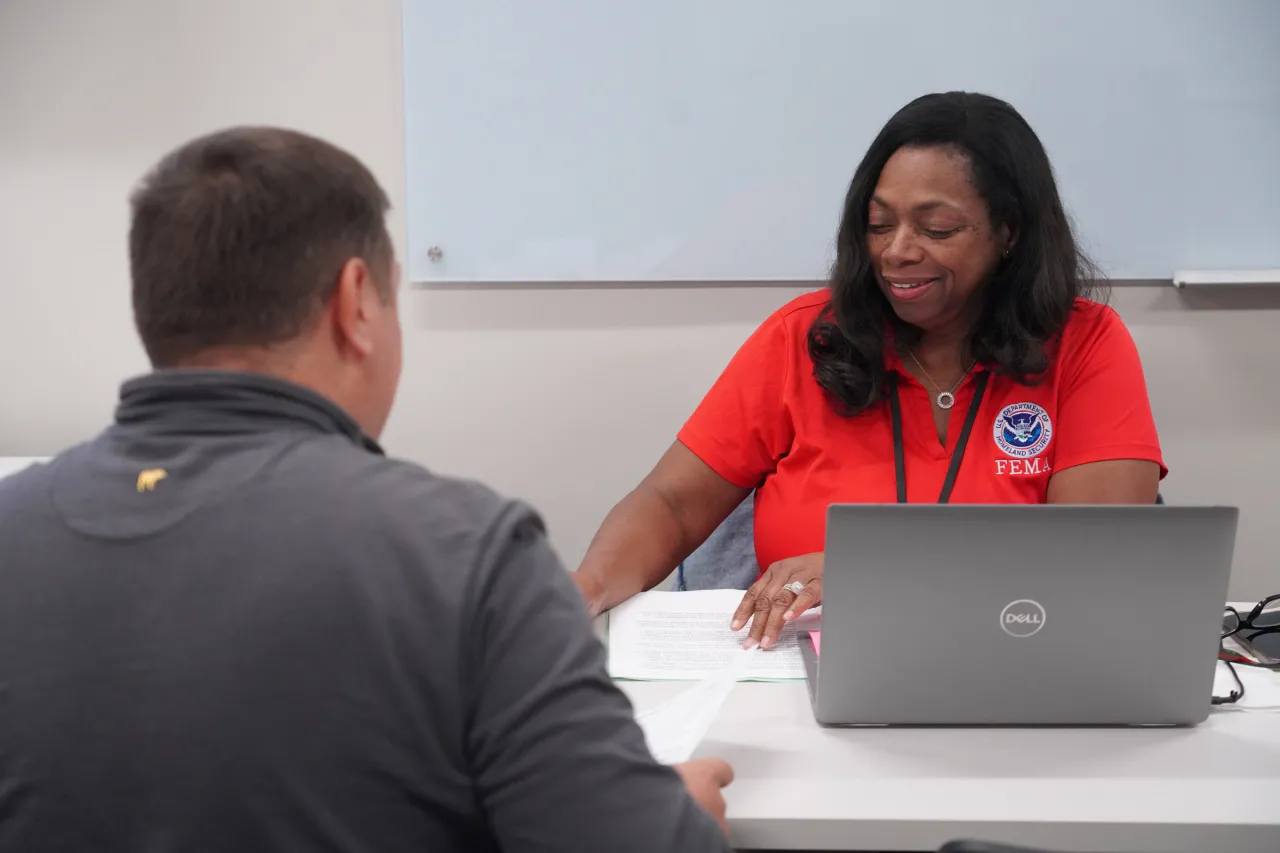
{"points": [[876, 228], [940, 234]]}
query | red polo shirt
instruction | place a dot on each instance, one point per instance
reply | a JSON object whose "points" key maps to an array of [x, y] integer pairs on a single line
{"points": [[766, 424]]}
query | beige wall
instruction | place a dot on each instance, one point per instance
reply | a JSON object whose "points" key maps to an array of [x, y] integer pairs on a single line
{"points": [[567, 413]]}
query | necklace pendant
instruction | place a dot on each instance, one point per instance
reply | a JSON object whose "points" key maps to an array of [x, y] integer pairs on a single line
{"points": [[945, 400]]}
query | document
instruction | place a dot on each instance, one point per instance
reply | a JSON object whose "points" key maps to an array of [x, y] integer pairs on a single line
{"points": [[685, 636], [674, 729]]}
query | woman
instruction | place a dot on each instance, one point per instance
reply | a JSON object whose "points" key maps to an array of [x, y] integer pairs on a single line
{"points": [[954, 357]]}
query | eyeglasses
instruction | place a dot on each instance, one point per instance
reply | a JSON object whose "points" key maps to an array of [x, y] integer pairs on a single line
{"points": [[1243, 630], [1258, 622]]}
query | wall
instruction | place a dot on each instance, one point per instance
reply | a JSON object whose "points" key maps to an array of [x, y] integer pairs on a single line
{"points": [[564, 397]]}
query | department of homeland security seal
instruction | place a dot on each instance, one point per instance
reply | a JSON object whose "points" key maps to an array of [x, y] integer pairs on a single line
{"points": [[1022, 430]]}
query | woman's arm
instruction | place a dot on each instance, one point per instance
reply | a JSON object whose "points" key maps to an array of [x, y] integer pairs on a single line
{"points": [[1108, 451], [1115, 481], [732, 441], [642, 540]]}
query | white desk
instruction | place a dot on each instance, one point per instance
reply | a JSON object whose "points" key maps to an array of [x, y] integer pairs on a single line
{"points": [[802, 787]]}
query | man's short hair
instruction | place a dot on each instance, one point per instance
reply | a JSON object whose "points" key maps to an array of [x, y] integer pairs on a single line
{"points": [[238, 239]]}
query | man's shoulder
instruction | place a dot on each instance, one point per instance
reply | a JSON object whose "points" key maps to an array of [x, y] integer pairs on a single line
{"points": [[387, 482], [27, 484], [402, 498], [17, 483], [400, 488], [334, 488]]}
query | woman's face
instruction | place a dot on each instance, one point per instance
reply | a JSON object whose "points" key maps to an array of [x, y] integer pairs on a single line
{"points": [[931, 240]]}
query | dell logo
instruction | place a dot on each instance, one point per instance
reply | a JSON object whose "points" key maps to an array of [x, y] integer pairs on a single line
{"points": [[1022, 618]]}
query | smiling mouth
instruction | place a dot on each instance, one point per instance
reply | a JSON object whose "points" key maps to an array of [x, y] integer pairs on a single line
{"points": [[909, 285]]}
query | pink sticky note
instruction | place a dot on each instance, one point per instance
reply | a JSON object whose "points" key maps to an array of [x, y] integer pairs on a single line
{"points": [[816, 636]]}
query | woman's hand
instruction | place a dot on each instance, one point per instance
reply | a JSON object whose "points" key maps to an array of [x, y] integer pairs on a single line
{"points": [[769, 606]]}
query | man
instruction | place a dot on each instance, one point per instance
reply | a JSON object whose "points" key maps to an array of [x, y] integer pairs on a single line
{"points": [[229, 623]]}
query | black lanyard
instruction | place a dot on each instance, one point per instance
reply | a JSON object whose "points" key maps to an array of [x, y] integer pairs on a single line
{"points": [[899, 452]]}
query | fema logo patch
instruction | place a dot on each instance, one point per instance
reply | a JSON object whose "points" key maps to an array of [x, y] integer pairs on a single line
{"points": [[1022, 430]]}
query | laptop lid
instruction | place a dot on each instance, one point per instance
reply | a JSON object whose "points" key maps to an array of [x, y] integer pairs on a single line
{"points": [[1021, 614]]}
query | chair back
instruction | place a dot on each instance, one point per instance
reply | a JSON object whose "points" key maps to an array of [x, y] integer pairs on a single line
{"points": [[727, 560]]}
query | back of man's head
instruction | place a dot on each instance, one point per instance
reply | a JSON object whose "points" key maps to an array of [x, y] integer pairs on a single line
{"points": [[246, 243]]}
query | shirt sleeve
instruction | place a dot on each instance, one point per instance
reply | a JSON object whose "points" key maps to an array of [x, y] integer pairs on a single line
{"points": [[1104, 412], [559, 763], [742, 428]]}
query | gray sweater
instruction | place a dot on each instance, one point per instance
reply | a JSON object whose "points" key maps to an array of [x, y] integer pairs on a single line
{"points": [[229, 623]]}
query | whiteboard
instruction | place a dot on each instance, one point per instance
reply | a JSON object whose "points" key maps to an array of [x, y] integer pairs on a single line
{"points": [[713, 140]]}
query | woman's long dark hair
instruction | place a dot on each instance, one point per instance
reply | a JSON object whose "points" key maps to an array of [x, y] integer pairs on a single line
{"points": [[1030, 296]]}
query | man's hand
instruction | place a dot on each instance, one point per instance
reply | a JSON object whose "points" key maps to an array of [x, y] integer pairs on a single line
{"points": [[705, 778], [769, 606], [592, 592]]}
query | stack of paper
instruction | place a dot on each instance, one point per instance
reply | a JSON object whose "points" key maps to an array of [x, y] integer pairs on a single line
{"points": [[685, 636]]}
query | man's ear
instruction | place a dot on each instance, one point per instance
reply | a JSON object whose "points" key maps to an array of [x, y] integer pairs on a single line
{"points": [[353, 299]]}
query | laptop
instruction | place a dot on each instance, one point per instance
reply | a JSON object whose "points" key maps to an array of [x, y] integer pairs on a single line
{"points": [[1015, 615]]}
